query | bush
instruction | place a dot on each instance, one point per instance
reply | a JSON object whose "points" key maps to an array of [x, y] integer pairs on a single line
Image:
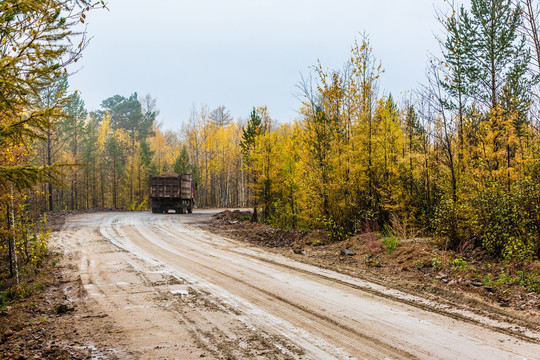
{"points": [[390, 242], [459, 263], [452, 222], [504, 220], [283, 216], [335, 231], [436, 263], [30, 243]]}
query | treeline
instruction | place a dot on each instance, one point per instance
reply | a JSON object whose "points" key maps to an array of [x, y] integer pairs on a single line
{"points": [[458, 159], [113, 151], [107, 153]]}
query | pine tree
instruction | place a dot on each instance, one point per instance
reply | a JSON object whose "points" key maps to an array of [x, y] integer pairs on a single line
{"points": [[498, 49], [74, 131], [459, 70], [250, 134], [181, 164]]}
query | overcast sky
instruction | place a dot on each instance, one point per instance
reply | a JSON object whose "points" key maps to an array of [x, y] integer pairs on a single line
{"points": [[245, 53]]}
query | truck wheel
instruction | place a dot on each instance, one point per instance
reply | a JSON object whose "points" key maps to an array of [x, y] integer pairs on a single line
{"points": [[155, 210], [189, 209]]}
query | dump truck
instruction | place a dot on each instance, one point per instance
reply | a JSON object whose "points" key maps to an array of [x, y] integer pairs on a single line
{"points": [[172, 191]]}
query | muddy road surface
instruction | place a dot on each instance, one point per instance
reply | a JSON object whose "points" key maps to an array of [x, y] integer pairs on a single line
{"points": [[170, 290]]}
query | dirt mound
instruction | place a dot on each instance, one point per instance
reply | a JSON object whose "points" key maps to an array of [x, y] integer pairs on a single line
{"points": [[315, 238], [232, 217], [259, 234], [237, 224], [273, 237]]}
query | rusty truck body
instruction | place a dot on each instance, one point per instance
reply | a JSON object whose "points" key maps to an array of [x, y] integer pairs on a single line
{"points": [[172, 191]]}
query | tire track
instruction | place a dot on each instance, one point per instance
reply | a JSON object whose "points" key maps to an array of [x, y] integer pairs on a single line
{"points": [[318, 312]]}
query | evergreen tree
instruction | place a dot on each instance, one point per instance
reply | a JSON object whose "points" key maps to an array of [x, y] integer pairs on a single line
{"points": [[250, 133], [459, 70], [181, 164], [89, 149], [498, 49], [127, 114]]}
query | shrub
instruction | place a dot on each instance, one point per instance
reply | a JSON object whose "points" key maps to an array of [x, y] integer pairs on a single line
{"points": [[459, 263], [452, 222], [504, 219], [335, 230], [436, 263], [401, 229], [390, 242]]}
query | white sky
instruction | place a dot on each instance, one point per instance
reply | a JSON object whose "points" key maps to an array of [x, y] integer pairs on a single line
{"points": [[245, 53]]}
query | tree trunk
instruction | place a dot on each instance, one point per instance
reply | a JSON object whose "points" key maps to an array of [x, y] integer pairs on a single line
{"points": [[114, 183], [10, 245], [49, 162]]}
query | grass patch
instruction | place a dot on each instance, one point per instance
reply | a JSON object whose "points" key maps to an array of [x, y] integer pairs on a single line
{"points": [[527, 278]]}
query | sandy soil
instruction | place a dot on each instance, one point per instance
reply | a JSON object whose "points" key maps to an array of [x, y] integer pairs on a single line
{"points": [[155, 286]]}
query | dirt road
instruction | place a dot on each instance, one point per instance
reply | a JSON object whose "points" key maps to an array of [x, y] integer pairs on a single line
{"points": [[169, 290]]}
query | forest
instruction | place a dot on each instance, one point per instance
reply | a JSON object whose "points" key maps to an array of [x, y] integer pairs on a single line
{"points": [[456, 159]]}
